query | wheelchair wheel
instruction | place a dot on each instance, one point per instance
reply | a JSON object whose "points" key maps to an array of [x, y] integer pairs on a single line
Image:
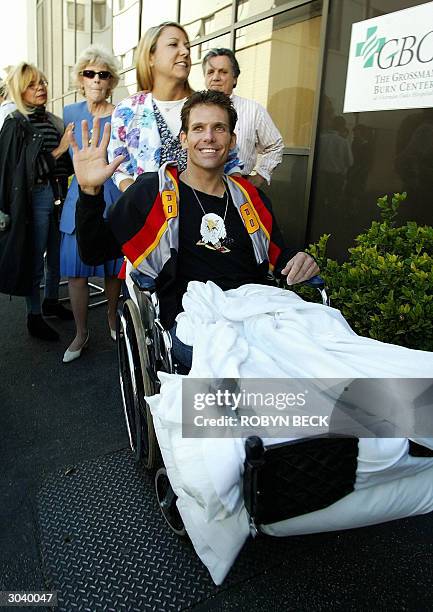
{"points": [[167, 503], [135, 383]]}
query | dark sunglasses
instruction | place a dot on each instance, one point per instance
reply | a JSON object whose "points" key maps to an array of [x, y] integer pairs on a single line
{"points": [[102, 74]]}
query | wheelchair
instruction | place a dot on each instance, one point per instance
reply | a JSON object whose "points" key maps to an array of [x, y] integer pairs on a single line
{"points": [[280, 482]]}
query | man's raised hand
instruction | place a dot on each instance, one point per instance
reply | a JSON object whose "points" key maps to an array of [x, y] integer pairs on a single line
{"points": [[90, 162]]}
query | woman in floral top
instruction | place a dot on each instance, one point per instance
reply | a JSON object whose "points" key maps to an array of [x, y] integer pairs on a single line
{"points": [[146, 126]]}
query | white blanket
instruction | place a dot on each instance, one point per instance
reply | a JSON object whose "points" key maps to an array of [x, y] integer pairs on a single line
{"points": [[260, 332]]}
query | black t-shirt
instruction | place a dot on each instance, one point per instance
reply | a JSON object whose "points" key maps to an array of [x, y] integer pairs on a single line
{"points": [[214, 247]]}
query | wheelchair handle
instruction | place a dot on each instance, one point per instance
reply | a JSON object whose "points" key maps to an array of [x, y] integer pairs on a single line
{"points": [[254, 448], [316, 282], [143, 282]]}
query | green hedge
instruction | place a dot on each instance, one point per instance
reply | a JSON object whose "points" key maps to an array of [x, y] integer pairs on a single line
{"points": [[385, 288]]}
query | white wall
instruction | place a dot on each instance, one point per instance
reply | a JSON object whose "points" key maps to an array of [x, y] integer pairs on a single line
{"points": [[18, 32]]}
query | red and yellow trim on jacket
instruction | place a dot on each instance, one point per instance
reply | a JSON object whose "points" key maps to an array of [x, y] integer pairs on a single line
{"points": [[148, 237], [263, 216]]}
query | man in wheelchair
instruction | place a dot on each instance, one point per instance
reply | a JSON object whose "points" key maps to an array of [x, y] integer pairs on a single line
{"points": [[203, 226]]}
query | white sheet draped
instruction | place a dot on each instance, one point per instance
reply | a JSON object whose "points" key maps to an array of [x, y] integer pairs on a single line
{"points": [[260, 332]]}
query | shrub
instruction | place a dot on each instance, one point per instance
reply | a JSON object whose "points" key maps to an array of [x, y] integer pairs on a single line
{"points": [[385, 288]]}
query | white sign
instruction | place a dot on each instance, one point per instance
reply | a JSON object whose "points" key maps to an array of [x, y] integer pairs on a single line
{"points": [[391, 62]]}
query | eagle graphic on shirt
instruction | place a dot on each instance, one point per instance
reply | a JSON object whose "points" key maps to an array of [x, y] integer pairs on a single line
{"points": [[213, 232]]}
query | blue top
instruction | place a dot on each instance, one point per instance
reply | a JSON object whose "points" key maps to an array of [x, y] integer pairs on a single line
{"points": [[76, 113]]}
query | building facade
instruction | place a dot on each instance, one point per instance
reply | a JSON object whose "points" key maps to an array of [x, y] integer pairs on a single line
{"points": [[293, 58]]}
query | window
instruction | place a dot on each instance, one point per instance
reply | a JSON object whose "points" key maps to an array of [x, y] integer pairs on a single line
{"points": [[125, 29], [265, 51], [99, 14], [40, 31], [154, 13], [127, 59], [249, 8], [205, 17], [71, 82], [80, 16], [122, 4]]}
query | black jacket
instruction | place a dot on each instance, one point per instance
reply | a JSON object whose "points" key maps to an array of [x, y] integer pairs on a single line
{"points": [[99, 240], [20, 144]]}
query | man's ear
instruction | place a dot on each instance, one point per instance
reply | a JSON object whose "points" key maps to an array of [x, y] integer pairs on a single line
{"points": [[232, 141], [183, 140], [235, 82]]}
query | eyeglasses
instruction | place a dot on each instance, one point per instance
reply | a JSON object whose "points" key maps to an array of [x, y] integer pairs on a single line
{"points": [[34, 86], [102, 74]]}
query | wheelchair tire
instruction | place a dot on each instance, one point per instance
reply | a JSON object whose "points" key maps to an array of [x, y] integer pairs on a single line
{"points": [[167, 503], [135, 384]]}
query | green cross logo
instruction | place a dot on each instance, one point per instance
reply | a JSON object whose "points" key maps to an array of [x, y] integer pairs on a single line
{"points": [[370, 47]]}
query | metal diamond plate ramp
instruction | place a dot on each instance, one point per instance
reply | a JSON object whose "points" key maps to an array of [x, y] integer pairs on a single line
{"points": [[105, 544]]}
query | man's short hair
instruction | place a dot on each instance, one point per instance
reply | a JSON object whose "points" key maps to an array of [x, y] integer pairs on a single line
{"points": [[208, 97], [218, 51]]}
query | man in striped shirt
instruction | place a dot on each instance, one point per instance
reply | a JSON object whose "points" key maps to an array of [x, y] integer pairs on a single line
{"points": [[259, 141]]}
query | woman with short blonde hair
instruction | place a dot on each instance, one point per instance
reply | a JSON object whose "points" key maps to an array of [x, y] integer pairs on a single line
{"points": [[97, 74], [34, 168], [17, 82]]}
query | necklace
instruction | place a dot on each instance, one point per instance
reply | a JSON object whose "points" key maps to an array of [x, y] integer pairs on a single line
{"points": [[225, 195], [212, 226], [169, 105]]}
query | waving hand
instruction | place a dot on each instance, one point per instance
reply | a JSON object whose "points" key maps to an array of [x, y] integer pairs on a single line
{"points": [[90, 162]]}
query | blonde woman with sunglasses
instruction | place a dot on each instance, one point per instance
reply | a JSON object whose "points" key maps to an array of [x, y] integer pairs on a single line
{"points": [[96, 74]]}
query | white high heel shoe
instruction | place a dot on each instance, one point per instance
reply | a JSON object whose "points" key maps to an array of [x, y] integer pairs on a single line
{"points": [[72, 355]]}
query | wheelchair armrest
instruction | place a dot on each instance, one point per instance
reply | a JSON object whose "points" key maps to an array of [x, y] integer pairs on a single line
{"points": [[143, 282], [316, 282]]}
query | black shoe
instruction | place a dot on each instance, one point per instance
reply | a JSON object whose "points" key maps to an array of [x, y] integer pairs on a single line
{"points": [[39, 329], [53, 308]]}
